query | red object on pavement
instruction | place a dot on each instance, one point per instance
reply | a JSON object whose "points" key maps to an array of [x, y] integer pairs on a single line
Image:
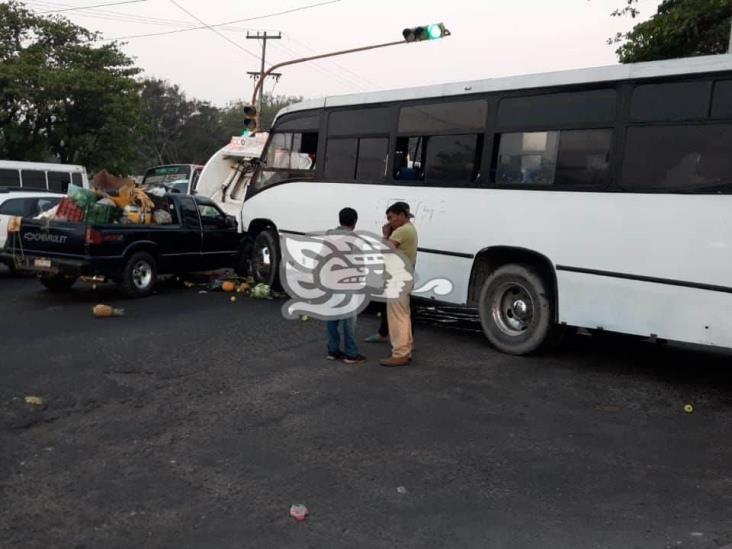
{"points": [[69, 211], [299, 512]]}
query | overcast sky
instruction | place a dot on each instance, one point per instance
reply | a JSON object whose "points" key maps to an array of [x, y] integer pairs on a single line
{"points": [[489, 38]]}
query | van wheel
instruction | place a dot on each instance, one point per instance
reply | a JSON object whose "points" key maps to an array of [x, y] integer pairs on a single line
{"points": [[265, 260], [57, 283], [140, 275], [516, 309]]}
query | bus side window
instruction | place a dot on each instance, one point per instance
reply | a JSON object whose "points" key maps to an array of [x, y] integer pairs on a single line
{"points": [[58, 181], [410, 159], [34, 179], [9, 178]]}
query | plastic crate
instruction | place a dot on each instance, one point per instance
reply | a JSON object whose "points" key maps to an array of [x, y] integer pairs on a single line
{"points": [[69, 211], [102, 213]]}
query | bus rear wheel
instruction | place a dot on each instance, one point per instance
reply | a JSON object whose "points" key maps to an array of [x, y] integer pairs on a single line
{"points": [[516, 309], [265, 261]]}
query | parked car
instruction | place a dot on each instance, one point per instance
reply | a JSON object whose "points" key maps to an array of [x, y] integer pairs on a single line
{"points": [[19, 203], [201, 237]]}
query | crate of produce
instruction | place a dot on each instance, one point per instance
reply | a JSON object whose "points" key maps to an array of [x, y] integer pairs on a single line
{"points": [[69, 211], [102, 213]]}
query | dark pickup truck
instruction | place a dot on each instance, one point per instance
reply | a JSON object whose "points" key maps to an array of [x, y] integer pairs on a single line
{"points": [[200, 238]]}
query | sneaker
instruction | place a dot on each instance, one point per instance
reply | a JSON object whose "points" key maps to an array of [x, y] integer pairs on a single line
{"points": [[332, 356], [358, 359], [376, 338], [395, 361]]}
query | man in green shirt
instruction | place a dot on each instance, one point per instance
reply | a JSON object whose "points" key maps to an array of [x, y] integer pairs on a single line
{"points": [[401, 235]]}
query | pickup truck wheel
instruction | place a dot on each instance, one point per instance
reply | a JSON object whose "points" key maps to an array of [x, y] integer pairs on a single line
{"points": [[516, 309], [266, 259], [140, 275], [57, 283]]}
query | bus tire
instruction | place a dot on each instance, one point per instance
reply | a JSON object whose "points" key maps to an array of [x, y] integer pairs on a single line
{"points": [[57, 283], [139, 275], [516, 309], [265, 260], [243, 266]]}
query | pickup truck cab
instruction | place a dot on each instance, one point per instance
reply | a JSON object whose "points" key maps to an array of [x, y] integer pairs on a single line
{"points": [[200, 238]]}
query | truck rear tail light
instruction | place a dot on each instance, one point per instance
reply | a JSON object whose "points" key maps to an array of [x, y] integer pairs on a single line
{"points": [[93, 237]]}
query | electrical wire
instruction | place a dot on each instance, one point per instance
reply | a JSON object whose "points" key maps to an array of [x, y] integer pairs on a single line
{"points": [[334, 63], [317, 65], [209, 27], [225, 23], [109, 15], [92, 7]]}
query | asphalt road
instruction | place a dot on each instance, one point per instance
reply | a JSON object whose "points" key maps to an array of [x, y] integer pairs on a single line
{"points": [[196, 422]]}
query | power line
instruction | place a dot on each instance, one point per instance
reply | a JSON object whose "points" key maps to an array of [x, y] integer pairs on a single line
{"points": [[91, 7], [334, 63], [320, 66], [131, 18], [293, 10], [210, 27]]}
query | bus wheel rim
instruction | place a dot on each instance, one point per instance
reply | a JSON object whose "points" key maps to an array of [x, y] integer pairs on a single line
{"points": [[263, 262], [512, 309]]}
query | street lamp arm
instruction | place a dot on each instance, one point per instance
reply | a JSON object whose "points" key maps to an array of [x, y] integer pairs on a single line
{"points": [[313, 58]]}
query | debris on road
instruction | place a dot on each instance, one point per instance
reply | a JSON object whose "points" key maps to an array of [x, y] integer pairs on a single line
{"points": [[304, 318], [299, 512], [228, 285], [401, 490], [232, 299], [105, 311], [688, 408], [261, 291], [34, 400]]}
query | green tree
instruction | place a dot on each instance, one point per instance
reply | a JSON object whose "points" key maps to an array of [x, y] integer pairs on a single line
{"points": [[62, 96], [233, 114], [680, 28]]}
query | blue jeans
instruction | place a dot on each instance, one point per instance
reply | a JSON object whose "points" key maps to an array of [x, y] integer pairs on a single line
{"points": [[334, 338]]}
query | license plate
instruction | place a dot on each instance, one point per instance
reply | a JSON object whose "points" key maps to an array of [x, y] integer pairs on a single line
{"points": [[42, 263]]}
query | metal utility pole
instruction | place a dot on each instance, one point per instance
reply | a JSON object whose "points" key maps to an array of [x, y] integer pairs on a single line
{"points": [[263, 37]]}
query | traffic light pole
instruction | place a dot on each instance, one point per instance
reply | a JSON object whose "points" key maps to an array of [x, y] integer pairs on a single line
{"points": [[265, 74]]}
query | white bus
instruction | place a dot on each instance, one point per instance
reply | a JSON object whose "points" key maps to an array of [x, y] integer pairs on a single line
{"points": [[41, 175], [598, 198]]}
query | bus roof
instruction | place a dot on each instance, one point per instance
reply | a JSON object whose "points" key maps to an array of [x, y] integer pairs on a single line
{"points": [[40, 166], [610, 73]]}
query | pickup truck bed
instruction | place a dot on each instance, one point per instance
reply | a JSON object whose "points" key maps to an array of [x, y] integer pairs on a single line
{"points": [[202, 237]]}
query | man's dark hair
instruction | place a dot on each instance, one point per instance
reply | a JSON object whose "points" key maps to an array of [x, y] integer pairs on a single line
{"points": [[399, 208], [347, 217]]}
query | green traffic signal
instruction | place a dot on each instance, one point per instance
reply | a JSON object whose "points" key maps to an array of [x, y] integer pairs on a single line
{"points": [[434, 31]]}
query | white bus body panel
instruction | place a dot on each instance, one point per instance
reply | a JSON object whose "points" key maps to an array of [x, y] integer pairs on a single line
{"points": [[685, 239]]}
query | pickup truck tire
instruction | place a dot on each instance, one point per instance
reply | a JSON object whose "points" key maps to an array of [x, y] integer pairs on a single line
{"points": [[57, 283], [266, 259], [140, 275], [243, 265]]}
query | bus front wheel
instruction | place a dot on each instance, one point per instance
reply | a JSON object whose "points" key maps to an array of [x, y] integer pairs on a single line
{"points": [[516, 310], [265, 261]]}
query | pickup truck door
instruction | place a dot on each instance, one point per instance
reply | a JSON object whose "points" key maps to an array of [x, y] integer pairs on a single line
{"points": [[182, 249], [220, 241]]}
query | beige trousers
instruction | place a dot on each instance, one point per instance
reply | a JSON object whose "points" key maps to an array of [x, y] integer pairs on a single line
{"points": [[400, 326]]}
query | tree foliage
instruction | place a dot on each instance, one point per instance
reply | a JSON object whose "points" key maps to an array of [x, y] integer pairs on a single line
{"points": [[680, 28], [182, 130], [63, 97]]}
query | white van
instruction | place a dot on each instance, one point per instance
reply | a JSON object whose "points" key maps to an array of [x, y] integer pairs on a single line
{"points": [[41, 175]]}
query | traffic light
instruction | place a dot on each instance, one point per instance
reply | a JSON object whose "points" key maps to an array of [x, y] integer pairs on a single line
{"points": [[250, 120], [427, 32]]}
